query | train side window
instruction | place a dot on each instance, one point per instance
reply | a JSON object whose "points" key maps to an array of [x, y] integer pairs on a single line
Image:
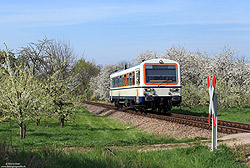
{"points": [[120, 81], [127, 79], [133, 78], [130, 79], [115, 82]]}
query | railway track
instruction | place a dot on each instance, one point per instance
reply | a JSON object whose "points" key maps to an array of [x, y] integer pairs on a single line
{"points": [[228, 127]]}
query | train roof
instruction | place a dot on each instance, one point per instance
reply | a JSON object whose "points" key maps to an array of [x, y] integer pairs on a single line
{"points": [[123, 70], [129, 69]]}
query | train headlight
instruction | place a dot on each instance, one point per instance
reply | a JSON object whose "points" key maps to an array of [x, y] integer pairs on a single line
{"points": [[147, 90], [174, 90]]}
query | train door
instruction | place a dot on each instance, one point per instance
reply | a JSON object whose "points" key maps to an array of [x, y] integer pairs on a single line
{"points": [[137, 83], [137, 77]]}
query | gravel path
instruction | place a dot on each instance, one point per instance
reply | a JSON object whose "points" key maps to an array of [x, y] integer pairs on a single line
{"points": [[156, 126]]}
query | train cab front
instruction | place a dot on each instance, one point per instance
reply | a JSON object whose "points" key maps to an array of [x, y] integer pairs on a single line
{"points": [[162, 83]]}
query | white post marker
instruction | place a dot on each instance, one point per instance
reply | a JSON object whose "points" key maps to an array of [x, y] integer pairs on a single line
{"points": [[213, 111]]}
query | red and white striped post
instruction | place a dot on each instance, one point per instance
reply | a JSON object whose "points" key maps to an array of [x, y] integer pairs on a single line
{"points": [[213, 111]]}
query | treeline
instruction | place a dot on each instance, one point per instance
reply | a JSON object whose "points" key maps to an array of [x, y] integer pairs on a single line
{"points": [[40, 80], [232, 73]]}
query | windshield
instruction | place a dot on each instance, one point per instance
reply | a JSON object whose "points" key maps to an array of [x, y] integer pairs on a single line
{"points": [[160, 74]]}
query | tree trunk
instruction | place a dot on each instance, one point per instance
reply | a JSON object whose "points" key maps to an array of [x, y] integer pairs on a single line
{"points": [[37, 122], [21, 130], [24, 131], [62, 122]]}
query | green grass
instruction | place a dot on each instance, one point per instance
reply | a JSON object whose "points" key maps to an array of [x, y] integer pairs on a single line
{"points": [[87, 130], [82, 142], [197, 156], [232, 114]]}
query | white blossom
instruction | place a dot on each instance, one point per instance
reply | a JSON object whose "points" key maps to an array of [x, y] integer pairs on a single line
{"points": [[232, 76]]}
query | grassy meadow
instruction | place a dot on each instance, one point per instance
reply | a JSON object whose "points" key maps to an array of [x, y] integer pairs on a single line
{"points": [[82, 143], [192, 157], [87, 130]]}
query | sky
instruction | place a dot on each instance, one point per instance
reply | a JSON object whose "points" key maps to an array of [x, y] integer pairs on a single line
{"points": [[110, 31]]}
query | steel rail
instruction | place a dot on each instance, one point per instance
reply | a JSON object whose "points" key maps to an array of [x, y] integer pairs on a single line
{"points": [[224, 126]]}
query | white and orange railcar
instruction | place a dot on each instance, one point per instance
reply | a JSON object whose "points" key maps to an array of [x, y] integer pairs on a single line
{"points": [[152, 84]]}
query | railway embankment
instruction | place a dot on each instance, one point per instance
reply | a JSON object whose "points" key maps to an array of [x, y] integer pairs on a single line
{"points": [[168, 128]]}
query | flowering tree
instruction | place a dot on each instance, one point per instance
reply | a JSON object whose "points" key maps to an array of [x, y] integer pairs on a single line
{"points": [[146, 55], [233, 78], [194, 65], [101, 83], [58, 91], [21, 94], [52, 63], [48, 56], [25, 96], [232, 72]]}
